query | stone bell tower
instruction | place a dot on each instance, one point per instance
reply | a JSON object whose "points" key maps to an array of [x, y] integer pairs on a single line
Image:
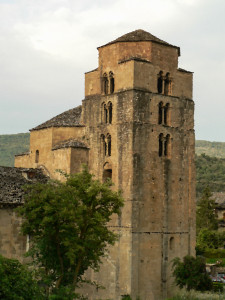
{"points": [[139, 117]]}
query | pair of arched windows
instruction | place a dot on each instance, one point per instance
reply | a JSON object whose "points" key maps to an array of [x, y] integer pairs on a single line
{"points": [[164, 113], [108, 83], [107, 112], [164, 145], [164, 84], [106, 144]]}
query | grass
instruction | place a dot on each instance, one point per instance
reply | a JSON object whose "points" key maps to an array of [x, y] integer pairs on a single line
{"points": [[193, 295]]}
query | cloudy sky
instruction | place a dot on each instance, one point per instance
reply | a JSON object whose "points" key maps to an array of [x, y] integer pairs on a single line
{"points": [[47, 45]]}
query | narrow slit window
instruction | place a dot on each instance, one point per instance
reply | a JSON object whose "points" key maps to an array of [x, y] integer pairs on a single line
{"points": [[110, 112], [168, 85], [37, 156], [160, 145], [105, 114], [166, 114], [172, 243], [167, 146], [109, 145], [105, 83], [112, 83], [160, 82], [160, 117]]}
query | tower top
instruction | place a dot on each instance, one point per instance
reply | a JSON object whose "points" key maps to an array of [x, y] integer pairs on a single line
{"points": [[139, 35]]}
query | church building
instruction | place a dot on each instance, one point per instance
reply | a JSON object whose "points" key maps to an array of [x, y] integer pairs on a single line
{"points": [[135, 126]]}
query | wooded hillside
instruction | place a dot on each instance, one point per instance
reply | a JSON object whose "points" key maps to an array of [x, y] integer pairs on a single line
{"points": [[11, 144]]}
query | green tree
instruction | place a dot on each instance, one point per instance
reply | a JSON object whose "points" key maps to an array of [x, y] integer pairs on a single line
{"points": [[68, 225], [209, 239], [206, 212], [16, 281], [191, 273]]}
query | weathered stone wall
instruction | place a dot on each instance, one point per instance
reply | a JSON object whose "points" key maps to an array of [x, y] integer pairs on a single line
{"points": [[12, 243], [51, 160]]}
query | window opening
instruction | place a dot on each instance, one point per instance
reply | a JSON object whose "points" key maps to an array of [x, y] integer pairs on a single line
{"points": [[160, 144], [105, 114], [160, 82], [168, 84], [160, 113], [166, 114], [112, 83], [167, 145], [110, 112], [109, 145], [37, 156], [105, 83], [172, 242], [107, 174]]}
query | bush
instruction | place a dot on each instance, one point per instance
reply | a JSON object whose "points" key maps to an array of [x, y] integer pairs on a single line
{"points": [[16, 281], [191, 273], [214, 253]]}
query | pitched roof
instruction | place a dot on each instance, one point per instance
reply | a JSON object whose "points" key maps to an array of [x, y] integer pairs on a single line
{"points": [[69, 118], [71, 143], [12, 181], [138, 36]]}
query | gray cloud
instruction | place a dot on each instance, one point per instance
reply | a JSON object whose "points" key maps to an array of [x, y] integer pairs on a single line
{"points": [[47, 45]]}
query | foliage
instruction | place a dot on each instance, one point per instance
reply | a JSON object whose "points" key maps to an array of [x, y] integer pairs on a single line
{"points": [[206, 217], [11, 144], [68, 224], [191, 273], [209, 239], [16, 281], [217, 287], [210, 171]]}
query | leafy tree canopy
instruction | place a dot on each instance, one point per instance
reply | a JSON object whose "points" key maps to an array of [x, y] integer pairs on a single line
{"points": [[209, 239], [68, 225], [191, 273], [16, 281], [206, 212]]}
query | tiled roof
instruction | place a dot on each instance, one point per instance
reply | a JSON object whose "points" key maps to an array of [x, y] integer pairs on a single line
{"points": [[13, 179], [139, 36], [70, 144], [69, 118]]}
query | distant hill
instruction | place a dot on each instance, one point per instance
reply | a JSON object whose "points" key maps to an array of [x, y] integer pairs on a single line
{"points": [[11, 144], [216, 149]]}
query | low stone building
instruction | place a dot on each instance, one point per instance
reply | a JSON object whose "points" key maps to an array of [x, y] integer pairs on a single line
{"points": [[12, 180], [135, 126]]}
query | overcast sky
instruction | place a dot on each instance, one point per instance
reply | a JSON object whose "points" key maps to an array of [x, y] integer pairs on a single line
{"points": [[47, 45]]}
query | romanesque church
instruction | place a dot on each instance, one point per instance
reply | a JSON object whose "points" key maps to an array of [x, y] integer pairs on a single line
{"points": [[135, 126]]}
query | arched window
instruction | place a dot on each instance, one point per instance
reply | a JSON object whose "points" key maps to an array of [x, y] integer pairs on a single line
{"points": [[160, 144], [167, 146], [160, 117], [166, 113], [160, 82], [112, 82], [168, 85], [105, 83], [105, 114], [172, 242], [110, 112], [109, 144], [103, 145], [37, 156]]}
